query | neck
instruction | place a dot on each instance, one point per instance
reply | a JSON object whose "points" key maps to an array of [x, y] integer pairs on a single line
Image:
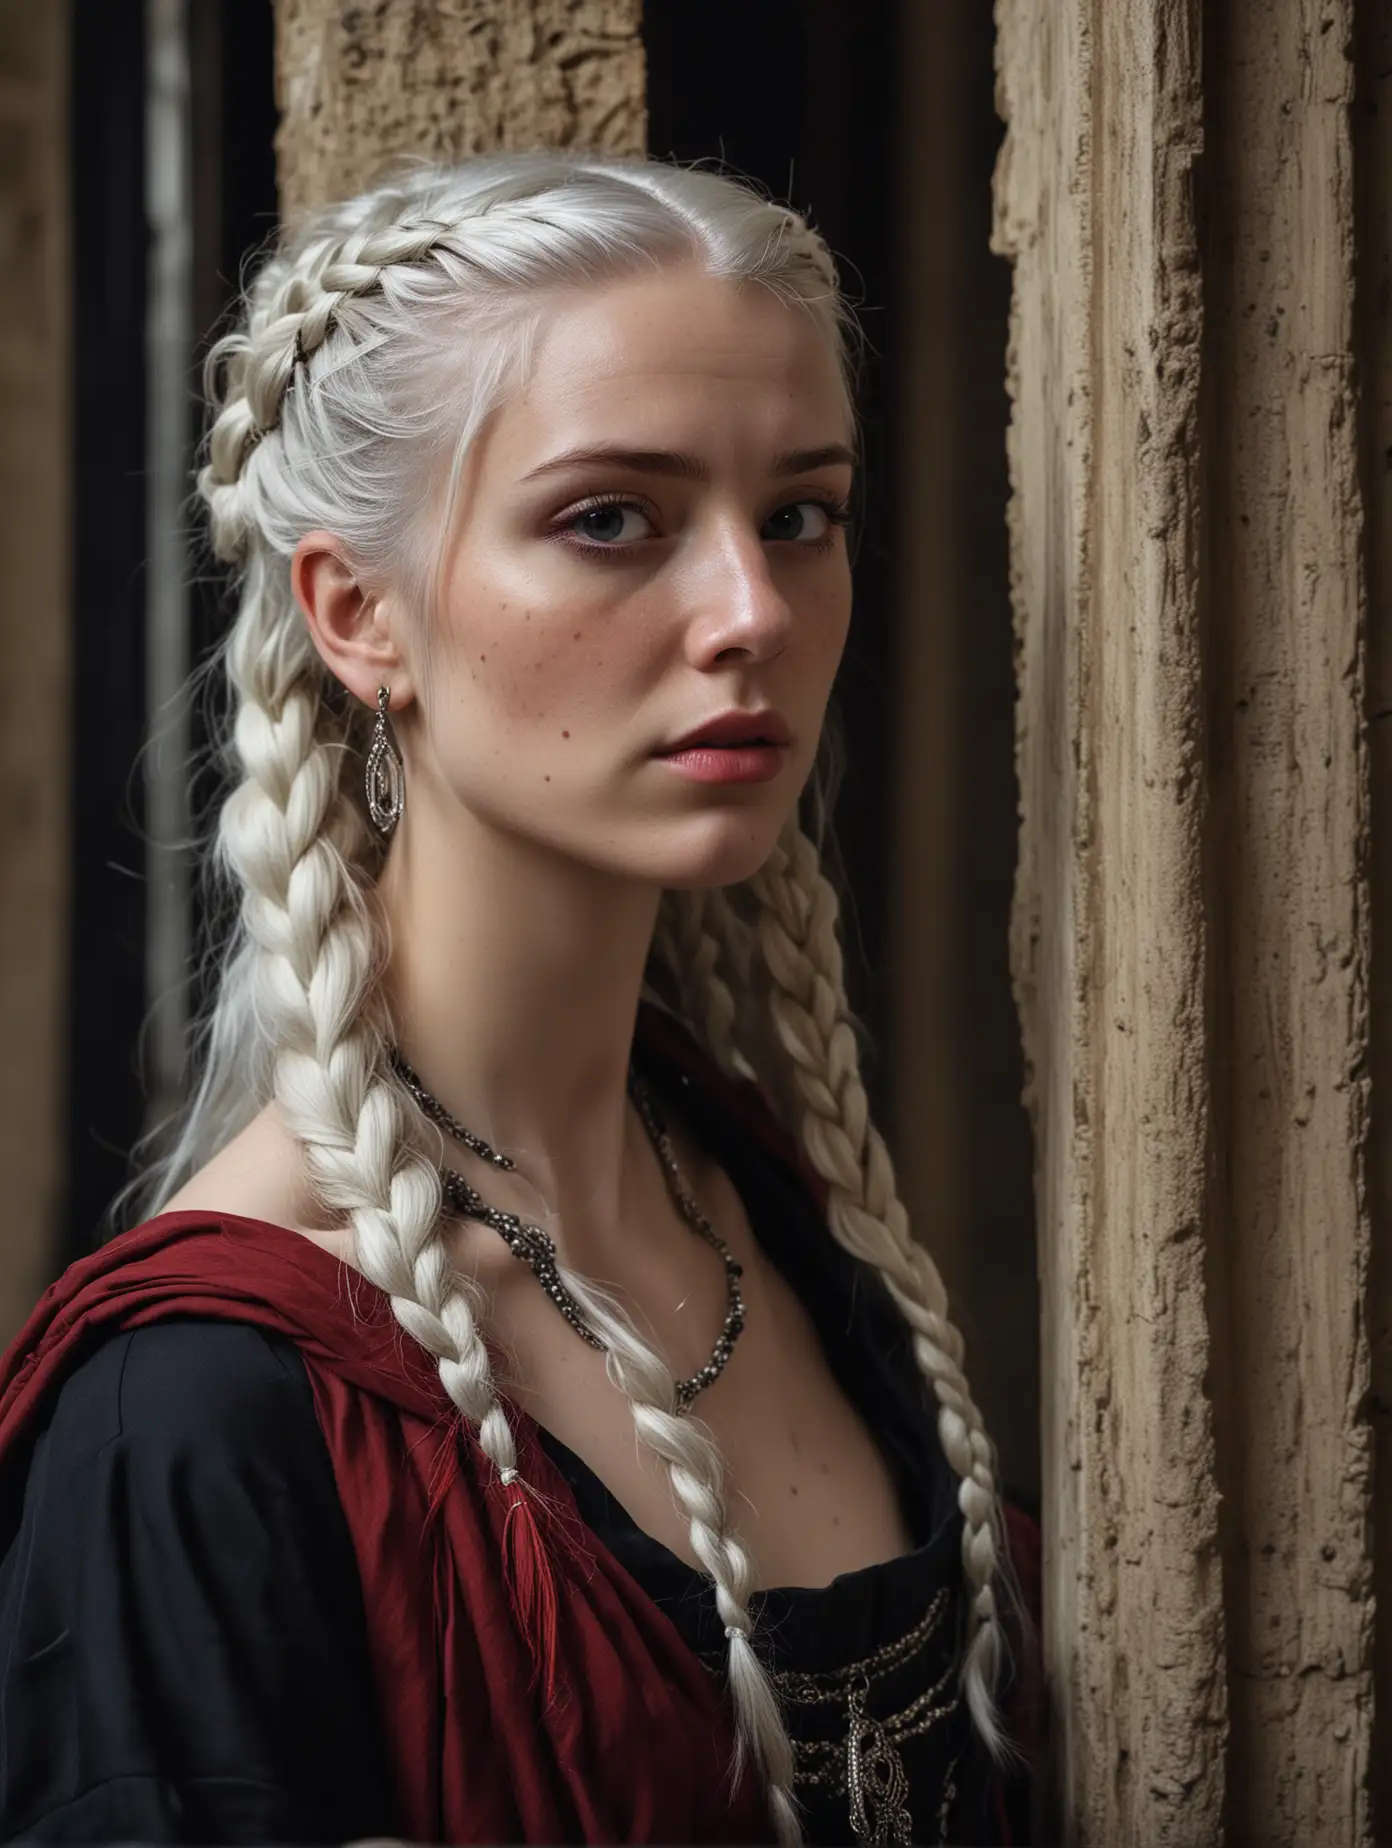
{"points": [[514, 979]]}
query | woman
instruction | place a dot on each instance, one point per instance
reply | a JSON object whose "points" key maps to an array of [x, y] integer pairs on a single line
{"points": [[529, 1120]]}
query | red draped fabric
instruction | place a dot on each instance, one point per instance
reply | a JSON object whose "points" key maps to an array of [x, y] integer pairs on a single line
{"points": [[468, 1585]]}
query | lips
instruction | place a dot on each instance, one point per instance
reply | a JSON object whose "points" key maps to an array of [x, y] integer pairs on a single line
{"points": [[731, 729]]}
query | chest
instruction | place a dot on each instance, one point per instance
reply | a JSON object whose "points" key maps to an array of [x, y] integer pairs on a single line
{"points": [[807, 1488]]}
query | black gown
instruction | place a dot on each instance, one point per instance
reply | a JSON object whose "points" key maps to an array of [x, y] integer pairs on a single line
{"points": [[183, 1651]]}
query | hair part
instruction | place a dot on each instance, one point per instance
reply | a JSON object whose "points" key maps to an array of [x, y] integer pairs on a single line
{"points": [[374, 341]]}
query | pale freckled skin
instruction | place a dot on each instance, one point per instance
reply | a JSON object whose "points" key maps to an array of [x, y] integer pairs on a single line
{"points": [[520, 929]]}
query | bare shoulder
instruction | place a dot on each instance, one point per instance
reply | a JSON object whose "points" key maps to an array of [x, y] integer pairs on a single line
{"points": [[259, 1174]]}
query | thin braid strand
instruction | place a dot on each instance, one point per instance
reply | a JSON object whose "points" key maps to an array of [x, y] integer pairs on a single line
{"points": [[328, 1082], [798, 937]]}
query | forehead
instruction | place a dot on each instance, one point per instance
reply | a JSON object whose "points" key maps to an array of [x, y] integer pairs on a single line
{"points": [[676, 358]]}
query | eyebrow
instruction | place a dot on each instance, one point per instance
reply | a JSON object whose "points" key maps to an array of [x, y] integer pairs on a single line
{"points": [[688, 467]]}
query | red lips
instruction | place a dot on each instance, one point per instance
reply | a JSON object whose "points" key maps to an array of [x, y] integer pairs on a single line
{"points": [[735, 727]]}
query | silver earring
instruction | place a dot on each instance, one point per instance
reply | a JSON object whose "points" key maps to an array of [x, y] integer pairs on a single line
{"points": [[386, 775]]}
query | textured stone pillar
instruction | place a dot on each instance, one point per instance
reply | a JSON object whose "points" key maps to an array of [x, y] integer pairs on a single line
{"points": [[448, 78], [1191, 944], [1288, 907], [34, 634], [1373, 172]]}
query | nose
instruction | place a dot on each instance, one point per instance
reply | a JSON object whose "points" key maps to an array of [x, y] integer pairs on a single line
{"points": [[736, 602]]}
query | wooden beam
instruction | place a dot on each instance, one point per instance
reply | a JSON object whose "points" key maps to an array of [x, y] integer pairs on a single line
{"points": [[1192, 950], [1372, 118], [1288, 916], [1096, 208]]}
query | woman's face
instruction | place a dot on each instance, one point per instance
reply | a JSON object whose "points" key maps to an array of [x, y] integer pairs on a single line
{"points": [[646, 535]]}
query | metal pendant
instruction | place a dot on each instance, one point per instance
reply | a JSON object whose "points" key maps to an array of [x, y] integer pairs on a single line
{"points": [[385, 776]]}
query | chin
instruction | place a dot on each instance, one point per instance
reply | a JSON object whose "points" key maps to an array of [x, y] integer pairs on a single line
{"points": [[731, 851]]}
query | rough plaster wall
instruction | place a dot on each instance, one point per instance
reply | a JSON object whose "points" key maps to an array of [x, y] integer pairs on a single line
{"points": [[34, 624], [360, 82], [1042, 217], [1095, 206], [1373, 167], [1190, 943], [1289, 917], [1138, 860]]}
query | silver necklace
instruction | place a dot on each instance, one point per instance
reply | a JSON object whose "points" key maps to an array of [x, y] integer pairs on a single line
{"points": [[535, 1248]]}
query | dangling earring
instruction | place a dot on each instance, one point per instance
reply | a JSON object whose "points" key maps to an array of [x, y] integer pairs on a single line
{"points": [[386, 775]]}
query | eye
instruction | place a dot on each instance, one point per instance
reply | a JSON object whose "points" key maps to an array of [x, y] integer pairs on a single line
{"points": [[608, 524], [808, 521]]}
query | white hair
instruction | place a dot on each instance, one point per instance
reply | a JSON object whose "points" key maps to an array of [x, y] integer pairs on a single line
{"points": [[371, 344]]}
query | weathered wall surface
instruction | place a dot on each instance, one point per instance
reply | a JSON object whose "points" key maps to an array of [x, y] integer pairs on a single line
{"points": [[1373, 174], [1096, 209], [34, 628], [1191, 947], [447, 78], [1288, 914]]}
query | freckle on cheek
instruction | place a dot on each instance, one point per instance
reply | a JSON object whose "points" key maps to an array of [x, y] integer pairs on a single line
{"points": [[565, 734]]}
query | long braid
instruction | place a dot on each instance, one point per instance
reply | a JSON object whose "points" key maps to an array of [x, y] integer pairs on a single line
{"points": [[314, 976], [301, 904], [808, 1004], [696, 1472], [312, 979]]}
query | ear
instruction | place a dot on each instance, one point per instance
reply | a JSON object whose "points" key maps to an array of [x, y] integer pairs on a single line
{"points": [[353, 629]]}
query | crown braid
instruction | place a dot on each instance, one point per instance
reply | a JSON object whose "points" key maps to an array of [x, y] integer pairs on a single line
{"points": [[294, 311]]}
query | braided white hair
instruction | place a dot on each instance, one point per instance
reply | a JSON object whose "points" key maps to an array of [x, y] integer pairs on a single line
{"points": [[374, 342]]}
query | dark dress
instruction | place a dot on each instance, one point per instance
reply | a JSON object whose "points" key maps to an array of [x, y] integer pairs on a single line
{"points": [[182, 1641]]}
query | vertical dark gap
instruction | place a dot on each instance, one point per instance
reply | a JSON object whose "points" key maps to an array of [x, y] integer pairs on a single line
{"points": [[232, 81], [107, 955], [804, 110], [231, 59], [999, 1166]]}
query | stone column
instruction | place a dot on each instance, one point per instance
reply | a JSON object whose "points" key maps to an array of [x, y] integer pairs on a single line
{"points": [[34, 633], [1191, 949], [1373, 188], [357, 85]]}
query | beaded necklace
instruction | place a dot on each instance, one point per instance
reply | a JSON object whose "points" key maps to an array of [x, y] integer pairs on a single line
{"points": [[534, 1247]]}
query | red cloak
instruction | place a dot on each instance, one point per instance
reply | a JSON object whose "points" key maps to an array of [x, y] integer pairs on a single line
{"points": [[466, 1585]]}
